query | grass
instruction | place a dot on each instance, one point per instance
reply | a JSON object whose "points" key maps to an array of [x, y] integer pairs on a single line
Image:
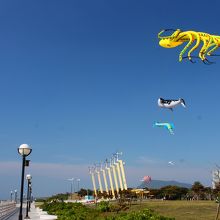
{"points": [[38, 204], [181, 210]]}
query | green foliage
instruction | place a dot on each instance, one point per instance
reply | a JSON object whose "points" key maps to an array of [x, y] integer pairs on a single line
{"points": [[40, 200], [77, 211], [58, 197], [198, 189], [70, 211], [84, 192], [169, 192], [217, 200], [115, 208], [145, 214], [120, 206], [103, 206], [173, 192]]}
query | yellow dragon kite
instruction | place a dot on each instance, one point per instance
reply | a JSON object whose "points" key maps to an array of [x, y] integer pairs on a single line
{"points": [[210, 43]]}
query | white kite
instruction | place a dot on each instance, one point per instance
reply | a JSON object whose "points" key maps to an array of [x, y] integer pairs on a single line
{"points": [[171, 163], [170, 103]]}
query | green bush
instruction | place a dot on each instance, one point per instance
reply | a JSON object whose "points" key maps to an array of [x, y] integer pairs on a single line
{"points": [[77, 211], [118, 207], [103, 206], [70, 211]]}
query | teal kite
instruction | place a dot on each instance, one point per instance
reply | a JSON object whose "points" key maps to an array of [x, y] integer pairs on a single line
{"points": [[168, 126]]}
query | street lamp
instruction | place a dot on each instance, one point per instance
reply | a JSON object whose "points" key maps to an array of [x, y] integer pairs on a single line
{"points": [[72, 186], [28, 177], [16, 195], [11, 195], [78, 180], [24, 150], [30, 196]]}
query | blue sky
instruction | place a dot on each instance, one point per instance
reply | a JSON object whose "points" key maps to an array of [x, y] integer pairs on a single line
{"points": [[80, 80]]}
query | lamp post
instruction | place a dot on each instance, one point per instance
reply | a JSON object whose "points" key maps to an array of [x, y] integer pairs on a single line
{"points": [[11, 195], [28, 177], [24, 150], [16, 195], [71, 186], [30, 196], [78, 180]]}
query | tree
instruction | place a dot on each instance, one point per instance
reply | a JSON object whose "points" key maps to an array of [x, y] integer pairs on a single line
{"points": [[84, 192], [173, 192], [198, 190], [208, 193]]}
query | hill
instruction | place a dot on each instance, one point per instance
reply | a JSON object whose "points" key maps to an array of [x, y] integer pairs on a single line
{"points": [[157, 184]]}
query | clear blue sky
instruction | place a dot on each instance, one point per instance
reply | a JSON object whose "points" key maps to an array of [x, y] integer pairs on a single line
{"points": [[80, 80]]}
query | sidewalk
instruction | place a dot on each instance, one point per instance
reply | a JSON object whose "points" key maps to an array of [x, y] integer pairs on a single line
{"points": [[35, 214], [13, 215]]}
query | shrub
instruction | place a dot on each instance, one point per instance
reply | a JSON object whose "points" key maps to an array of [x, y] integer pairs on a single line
{"points": [[77, 211], [103, 206]]}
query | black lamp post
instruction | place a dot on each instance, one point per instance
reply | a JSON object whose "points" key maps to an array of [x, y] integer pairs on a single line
{"points": [[11, 195], [30, 196], [78, 180], [24, 150], [28, 177], [16, 195], [71, 187]]}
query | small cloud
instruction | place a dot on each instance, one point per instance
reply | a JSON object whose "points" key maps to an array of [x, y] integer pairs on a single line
{"points": [[146, 160], [57, 170], [182, 160], [68, 159], [199, 117]]}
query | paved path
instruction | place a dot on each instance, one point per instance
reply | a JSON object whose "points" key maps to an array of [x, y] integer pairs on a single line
{"points": [[13, 215], [35, 214]]}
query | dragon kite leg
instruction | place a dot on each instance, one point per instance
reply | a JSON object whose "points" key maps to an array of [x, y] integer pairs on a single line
{"points": [[210, 43]]}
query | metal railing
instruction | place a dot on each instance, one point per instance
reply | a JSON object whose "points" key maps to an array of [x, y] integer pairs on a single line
{"points": [[6, 208]]}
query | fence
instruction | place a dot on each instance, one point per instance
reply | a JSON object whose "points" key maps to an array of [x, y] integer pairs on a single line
{"points": [[6, 208]]}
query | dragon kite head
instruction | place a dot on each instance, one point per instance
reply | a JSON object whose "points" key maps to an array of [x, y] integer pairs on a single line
{"points": [[171, 40]]}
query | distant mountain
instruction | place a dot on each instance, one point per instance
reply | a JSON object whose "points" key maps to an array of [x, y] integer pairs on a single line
{"points": [[157, 184]]}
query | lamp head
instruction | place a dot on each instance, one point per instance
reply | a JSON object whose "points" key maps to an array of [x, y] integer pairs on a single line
{"points": [[28, 177], [24, 150]]}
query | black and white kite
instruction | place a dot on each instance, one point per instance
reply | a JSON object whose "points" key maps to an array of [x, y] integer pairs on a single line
{"points": [[171, 103]]}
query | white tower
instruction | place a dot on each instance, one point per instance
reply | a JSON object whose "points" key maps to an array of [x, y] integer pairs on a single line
{"points": [[110, 178], [114, 174], [105, 180], [117, 165], [97, 169], [91, 171]]}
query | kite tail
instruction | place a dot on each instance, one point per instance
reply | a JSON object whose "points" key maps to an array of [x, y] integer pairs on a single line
{"points": [[183, 103], [154, 124]]}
